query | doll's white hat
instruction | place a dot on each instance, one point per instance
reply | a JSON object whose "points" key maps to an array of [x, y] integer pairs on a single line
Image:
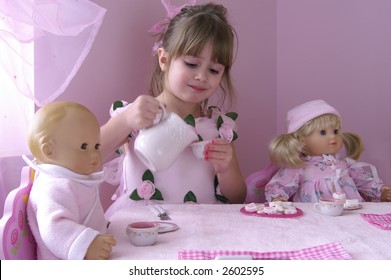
{"points": [[305, 112]]}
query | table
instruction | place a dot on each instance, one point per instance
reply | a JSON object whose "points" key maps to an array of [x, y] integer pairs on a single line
{"points": [[223, 227]]}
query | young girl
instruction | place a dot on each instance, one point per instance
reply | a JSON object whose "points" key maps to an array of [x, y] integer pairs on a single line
{"points": [[313, 166], [64, 210], [195, 55]]}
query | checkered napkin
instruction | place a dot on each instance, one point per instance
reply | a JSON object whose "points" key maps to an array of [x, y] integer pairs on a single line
{"points": [[382, 221], [331, 251]]}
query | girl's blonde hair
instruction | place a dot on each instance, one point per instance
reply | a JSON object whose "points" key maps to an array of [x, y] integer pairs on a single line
{"points": [[188, 32], [287, 150], [45, 122]]}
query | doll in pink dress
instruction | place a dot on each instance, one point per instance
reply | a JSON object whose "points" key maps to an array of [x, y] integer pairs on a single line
{"points": [[194, 56], [312, 163], [64, 209]]}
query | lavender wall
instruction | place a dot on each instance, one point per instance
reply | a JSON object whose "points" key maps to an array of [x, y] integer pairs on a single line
{"points": [[289, 52]]}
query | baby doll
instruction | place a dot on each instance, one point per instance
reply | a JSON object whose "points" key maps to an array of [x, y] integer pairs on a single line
{"points": [[312, 166], [64, 209]]}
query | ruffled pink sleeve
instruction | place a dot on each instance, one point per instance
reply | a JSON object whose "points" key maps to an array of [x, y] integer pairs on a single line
{"points": [[285, 183], [366, 179]]}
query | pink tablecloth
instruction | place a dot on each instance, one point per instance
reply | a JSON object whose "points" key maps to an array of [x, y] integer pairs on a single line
{"points": [[223, 227], [382, 221], [331, 251]]}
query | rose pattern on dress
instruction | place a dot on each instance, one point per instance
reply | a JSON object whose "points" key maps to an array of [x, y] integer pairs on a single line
{"points": [[146, 190], [225, 126], [226, 132]]}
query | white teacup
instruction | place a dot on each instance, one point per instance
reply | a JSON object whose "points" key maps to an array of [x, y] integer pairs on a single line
{"points": [[199, 148], [160, 145], [142, 233], [330, 207]]}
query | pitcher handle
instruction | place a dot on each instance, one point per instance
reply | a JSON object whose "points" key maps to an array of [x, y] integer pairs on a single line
{"points": [[164, 112], [163, 116]]}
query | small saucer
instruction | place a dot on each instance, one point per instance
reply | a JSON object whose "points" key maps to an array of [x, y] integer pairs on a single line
{"points": [[355, 207], [166, 226]]}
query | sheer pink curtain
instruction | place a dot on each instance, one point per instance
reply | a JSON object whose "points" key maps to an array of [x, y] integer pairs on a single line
{"points": [[62, 30], [61, 33]]}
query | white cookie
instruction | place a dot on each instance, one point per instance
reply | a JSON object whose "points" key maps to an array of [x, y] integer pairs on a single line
{"points": [[287, 203], [252, 207], [290, 211], [279, 208], [275, 203], [270, 210]]}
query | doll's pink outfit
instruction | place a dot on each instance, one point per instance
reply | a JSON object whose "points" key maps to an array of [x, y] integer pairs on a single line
{"points": [[321, 176], [188, 180], [64, 212]]}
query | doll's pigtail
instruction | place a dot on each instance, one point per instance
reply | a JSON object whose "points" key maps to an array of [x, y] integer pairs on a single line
{"points": [[285, 151], [353, 145]]}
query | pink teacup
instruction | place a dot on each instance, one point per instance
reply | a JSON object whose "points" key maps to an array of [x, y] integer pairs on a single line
{"points": [[330, 207], [142, 233]]}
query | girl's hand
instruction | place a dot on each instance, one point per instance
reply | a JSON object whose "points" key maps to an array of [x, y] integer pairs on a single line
{"points": [[219, 153], [223, 158], [386, 194], [142, 112]]}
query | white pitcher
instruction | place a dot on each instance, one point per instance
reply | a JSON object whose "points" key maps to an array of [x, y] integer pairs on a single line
{"points": [[160, 145]]}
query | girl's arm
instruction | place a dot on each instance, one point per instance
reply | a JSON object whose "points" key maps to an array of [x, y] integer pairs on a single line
{"points": [[231, 181], [140, 114], [114, 133]]}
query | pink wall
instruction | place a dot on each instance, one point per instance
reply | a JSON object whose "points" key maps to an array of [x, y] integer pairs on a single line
{"points": [[339, 51], [289, 52]]}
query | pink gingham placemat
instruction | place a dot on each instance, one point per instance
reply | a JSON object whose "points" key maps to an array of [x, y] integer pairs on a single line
{"points": [[382, 221], [330, 251]]}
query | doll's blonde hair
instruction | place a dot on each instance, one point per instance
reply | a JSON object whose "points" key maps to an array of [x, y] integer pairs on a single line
{"points": [[45, 122], [287, 150], [188, 32]]}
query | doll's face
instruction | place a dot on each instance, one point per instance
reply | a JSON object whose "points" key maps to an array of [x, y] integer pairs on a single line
{"points": [[321, 141], [75, 143]]}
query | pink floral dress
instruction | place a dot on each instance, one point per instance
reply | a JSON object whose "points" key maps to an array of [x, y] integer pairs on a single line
{"points": [[188, 180], [321, 176]]}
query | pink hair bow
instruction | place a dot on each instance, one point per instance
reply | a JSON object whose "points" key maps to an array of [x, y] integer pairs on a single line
{"points": [[172, 11], [162, 25]]}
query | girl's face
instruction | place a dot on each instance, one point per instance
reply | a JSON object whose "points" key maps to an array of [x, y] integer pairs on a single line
{"points": [[192, 79], [326, 141]]}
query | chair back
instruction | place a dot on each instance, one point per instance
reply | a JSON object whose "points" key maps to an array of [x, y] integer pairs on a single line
{"points": [[256, 183], [17, 241]]}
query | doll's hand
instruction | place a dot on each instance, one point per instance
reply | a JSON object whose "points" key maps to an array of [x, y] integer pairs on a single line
{"points": [[386, 194], [219, 153], [100, 247], [280, 198], [142, 112]]}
